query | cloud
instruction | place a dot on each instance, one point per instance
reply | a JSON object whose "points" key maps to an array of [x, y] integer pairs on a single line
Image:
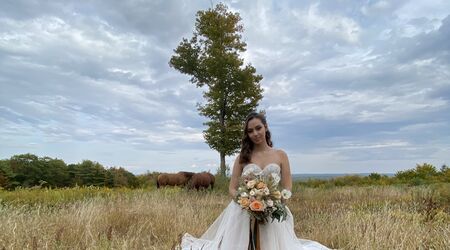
{"points": [[361, 106], [329, 25], [348, 87], [428, 46]]}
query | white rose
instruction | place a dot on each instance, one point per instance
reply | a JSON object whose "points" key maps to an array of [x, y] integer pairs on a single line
{"points": [[269, 203], [244, 195], [286, 194], [251, 184]]}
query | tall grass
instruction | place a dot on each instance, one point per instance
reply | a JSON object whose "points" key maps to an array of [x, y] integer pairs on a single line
{"points": [[382, 217]]}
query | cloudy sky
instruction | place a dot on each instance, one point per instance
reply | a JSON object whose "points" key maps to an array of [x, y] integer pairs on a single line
{"points": [[349, 86]]}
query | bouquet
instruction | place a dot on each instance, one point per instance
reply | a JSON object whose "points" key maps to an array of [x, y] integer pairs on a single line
{"points": [[260, 196]]}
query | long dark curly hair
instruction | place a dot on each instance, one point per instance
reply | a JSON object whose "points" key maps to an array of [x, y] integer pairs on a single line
{"points": [[246, 143]]}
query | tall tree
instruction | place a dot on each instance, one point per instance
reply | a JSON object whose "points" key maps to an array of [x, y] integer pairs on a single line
{"points": [[212, 58]]}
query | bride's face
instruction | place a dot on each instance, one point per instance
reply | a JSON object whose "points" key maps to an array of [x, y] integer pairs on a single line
{"points": [[256, 131]]}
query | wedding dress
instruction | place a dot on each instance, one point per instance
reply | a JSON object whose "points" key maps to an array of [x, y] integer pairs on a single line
{"points": [[230, 231]]}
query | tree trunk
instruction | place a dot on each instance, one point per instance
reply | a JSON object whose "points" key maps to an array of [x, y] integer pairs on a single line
{"points": [[223, 168]]}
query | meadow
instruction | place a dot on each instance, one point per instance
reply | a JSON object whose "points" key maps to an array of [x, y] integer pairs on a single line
{"points": [[349, 217]]}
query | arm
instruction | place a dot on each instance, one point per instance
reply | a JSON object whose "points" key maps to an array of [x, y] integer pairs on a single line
{"points": [[286, 178], [235, 174]]}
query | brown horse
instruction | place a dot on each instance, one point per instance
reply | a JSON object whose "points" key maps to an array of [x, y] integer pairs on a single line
{"points": [[178, 179], [202, 180]]}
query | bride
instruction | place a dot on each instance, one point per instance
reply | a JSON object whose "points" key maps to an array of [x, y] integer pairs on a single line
{"points": [[233, 229]]}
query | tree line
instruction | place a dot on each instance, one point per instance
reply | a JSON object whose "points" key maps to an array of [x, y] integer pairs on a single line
{"points": [[28, 171], [422, 174]]}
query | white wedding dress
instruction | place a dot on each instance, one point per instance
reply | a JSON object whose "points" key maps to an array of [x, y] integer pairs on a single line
{"points": [[230, 231]]}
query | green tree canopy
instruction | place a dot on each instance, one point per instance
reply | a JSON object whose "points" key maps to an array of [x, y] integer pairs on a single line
{"points": [[212, 59], [28, 170]]}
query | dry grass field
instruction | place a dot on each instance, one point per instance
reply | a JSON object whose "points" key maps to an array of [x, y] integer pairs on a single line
{"points": [[382, 217]]}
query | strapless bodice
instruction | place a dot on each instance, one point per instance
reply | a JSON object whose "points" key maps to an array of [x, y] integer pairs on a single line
{"points": [[252, 168]]}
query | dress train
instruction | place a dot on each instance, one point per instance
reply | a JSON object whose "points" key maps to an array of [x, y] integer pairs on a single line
{"points": [[230, 231]]}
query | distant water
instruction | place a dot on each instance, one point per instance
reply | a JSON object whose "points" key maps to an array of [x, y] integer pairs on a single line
{"points": [[330, 176]]}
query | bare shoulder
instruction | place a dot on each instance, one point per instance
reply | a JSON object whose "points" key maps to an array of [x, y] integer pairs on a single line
{"points": [[281, 154]]}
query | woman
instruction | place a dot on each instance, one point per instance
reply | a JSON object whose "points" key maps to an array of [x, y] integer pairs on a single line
{"points": [[233, 229]]}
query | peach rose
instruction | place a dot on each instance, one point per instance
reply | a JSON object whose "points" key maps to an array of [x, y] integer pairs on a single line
{"points": [[257, 206], [244, 202], [251, 184], [261, 185]]}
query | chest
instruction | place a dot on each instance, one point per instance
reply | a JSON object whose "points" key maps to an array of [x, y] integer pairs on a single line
{"points": [[265, 158]]}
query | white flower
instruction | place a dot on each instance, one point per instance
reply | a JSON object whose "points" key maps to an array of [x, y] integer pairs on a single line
{"points": [[266, 191], [286, 194], [269, 203], [276, 178], [244, 195], [251, 184], [252, 192]]}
